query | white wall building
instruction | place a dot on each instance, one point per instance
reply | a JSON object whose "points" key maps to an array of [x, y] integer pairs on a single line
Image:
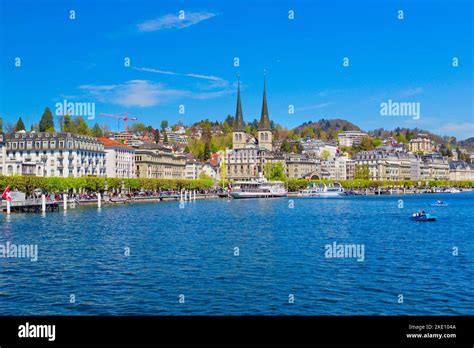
{"points": [[210, 171], [192, 170], [54, 154], [120, 159], [460, 170], [350, 138], [3, 154]]}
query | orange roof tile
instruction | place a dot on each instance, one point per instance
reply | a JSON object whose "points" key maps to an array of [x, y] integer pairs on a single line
{"points": [[112, 143]]}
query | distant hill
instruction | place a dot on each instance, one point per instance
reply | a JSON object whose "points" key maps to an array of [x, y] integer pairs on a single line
{"points": [[329, 126], [467, 144]]}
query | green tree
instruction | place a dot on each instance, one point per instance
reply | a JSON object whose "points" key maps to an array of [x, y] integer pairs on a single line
{"points": [[157, 136], [68, 124], [19, 125], [325, 154], [164, 125], [207, 151], [376, 142], [97, 131], [46, 123], [285, 146], [138, 128], [81, 127], [275, 171], [361, 172]]}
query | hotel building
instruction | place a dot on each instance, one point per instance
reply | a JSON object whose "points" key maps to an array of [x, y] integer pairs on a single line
{"points": [[54, 154]]}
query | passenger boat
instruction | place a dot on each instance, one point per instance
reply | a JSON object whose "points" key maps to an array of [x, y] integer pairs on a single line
{"points": [[323, 190], [258, 189]]}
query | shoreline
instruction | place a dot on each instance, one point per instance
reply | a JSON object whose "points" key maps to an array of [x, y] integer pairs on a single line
{"points": [[155, 199]]}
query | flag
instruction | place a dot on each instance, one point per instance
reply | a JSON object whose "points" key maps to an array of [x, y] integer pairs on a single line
{"points": [[6, 194]]}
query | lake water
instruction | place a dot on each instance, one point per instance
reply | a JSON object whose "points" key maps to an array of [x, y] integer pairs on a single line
{"points": [[191, 251]]}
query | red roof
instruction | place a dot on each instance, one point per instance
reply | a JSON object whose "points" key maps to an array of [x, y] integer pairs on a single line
{"points": [[112, 143]]}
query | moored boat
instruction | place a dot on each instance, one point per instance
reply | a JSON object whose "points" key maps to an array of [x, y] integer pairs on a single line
{"points": [[323, 190], [258, 189]]}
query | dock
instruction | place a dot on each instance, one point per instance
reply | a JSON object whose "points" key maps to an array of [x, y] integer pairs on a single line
{"points": [[31, 206]]}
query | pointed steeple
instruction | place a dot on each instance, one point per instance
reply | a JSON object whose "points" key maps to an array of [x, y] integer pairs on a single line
{"points": [[239, 125], [264, 124]]}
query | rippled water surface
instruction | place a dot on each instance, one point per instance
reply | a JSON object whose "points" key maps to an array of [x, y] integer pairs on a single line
{"points": [[190, 251]]}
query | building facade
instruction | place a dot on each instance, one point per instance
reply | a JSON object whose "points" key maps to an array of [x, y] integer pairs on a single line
{"points": [[421, 144], [299, 166], [54, 154], [399, 165], [120, 159], [460, 170], [159, 164], [3, 154], [350, 138], [434, 167], [193, 169]]}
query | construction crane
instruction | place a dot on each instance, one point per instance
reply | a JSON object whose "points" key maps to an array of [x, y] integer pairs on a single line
{"points": [[124, 118]]}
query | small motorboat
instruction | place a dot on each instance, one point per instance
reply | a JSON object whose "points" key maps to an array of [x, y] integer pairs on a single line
{"points": [[422, 216], [439, 203]]}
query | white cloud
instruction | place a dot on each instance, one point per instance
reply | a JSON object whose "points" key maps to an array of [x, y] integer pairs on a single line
{"points": [[172, 21], [144, 93], [139, 93], [410, 92], [165, 72], [313, 107], [462, 130]]}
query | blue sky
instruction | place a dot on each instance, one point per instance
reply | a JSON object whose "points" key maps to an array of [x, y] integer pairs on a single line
{"points": [[190, 61]]}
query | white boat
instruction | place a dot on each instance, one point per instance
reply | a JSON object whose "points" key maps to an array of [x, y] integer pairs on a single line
{"points": [[323, 190], [258, 189], [454, 190]]}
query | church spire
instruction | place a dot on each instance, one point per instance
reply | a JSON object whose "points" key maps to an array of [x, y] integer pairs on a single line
{"points": [[264, 124], [239, 125]]}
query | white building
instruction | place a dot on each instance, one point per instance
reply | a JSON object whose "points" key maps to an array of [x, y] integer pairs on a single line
{"points": [[350, 138], [460, 170], [315, 148], [54, 154], [344, 168], [3, 155], [210, 171], [192, 170], [120, 159]]}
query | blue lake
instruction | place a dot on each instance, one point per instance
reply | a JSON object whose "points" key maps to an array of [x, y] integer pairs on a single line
{"points": [[191, 251]]}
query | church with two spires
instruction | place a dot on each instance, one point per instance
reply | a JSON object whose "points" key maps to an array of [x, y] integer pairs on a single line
{"points": [[249, 154]]}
